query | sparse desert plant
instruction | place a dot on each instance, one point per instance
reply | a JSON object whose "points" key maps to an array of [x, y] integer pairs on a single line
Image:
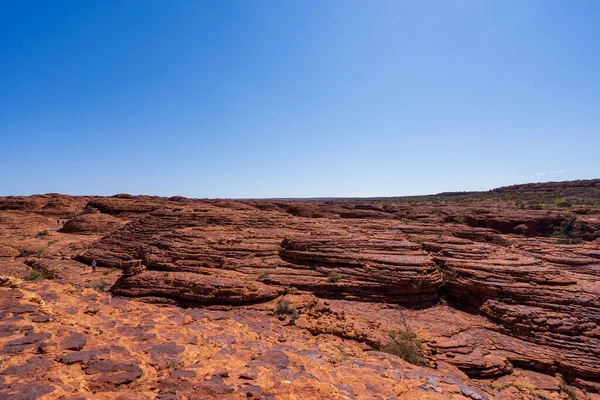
{"points": [[519, 203], [340, 357], [35, 275], [534, 205], [571, 394], [100, 285], [405, 344], [517, 384], [563, 203], [597, 233], [284, 307], [43, 234], [334, 278], [459, 219], [27, 253], [289, 289], [263, 275], [558, 232]]}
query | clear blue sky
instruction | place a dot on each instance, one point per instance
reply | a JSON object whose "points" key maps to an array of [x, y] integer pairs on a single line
{"points": [[296, 98]]}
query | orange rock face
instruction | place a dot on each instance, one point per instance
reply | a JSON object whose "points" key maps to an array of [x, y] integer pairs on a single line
{"points": [[294, 299]]}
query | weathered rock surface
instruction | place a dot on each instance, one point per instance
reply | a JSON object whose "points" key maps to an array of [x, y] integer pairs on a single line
{"points": [[92, 223], [194, 288], [505, 297]]}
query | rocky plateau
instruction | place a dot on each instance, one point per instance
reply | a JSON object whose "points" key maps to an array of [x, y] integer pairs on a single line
{"points": [[499, 292]]}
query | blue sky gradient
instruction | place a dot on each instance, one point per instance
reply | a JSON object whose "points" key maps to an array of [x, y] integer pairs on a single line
{"points": [[296, 98]]}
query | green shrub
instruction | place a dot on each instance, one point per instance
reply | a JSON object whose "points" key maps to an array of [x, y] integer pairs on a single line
{"points": [[405, 344], [283, 307], [43, 234], [562, 203], [558, 232], [334, 278], [520, 204], [35, 275], [459, 220], [519, 385], [597, 233], [534, 205]]}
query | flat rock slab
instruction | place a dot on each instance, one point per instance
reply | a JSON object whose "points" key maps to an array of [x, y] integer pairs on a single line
{"points": [[26, 391], [79, 357], [165, 351], [35, 367], [275, 358], [29, 338], [73, 342], [196, 288], [113, 372]]}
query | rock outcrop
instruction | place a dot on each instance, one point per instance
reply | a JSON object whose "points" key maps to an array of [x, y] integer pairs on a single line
{"points": [[295, 298]]}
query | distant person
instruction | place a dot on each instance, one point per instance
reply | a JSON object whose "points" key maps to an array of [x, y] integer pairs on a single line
{"points": [[93, 265]]}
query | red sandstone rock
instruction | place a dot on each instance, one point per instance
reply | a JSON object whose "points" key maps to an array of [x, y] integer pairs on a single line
{"points": [[515, 309]]}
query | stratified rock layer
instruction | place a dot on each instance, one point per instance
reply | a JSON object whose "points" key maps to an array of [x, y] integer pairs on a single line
{"points": [[495, 288]]}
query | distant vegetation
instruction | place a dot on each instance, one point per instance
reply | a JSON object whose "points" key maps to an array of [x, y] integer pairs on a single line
{"points": [[563, 203], [580, 192], [459, 220]]}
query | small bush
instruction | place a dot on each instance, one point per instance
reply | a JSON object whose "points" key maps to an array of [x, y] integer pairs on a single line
{"points": [[283, 307], [288, 289], [334, 278], [340, 357], [571, 394], [263, 275], [597, 233], [534, 205], [405, 344], [28, 253], [519, 203], [519, 385], [459, 220], [35, 275], [558, 233], [43, 234], [563, 203], [100, 285]]}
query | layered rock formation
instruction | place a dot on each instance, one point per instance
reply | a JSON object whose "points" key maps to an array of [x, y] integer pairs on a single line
{"points": [[504, 296]]}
